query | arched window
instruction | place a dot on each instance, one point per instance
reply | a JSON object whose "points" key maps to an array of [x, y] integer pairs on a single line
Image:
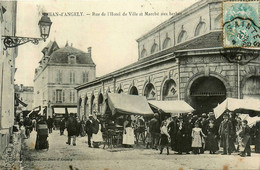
{"points": [[150, 92], [154, 48], [133, 91], [169, 90], [200, 29], [92, 105], [100, 102], [143, 53], [166, 43], [182, 36], [120, 91]]}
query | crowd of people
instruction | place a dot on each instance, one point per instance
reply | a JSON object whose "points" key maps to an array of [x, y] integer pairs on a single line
{"points": [[183, 133], [191, 133]]}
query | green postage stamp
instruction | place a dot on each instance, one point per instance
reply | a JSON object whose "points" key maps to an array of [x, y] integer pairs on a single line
{"points": [[241, 24]]}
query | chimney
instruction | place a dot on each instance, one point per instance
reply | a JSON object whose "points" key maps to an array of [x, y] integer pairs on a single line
{"points": [[21, 86], [89, 51]]}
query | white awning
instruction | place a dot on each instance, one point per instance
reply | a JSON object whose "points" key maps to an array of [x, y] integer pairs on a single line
{"points": [[172, 106], [237, 105], [58, 110], [72, 110]]}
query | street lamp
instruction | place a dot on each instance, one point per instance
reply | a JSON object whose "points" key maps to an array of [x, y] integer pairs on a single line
{"points": [[45, 26]]}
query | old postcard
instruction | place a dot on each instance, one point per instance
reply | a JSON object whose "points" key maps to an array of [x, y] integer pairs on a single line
{"points": [[117, 84]]}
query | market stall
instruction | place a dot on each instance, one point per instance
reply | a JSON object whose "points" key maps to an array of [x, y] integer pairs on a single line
{"points": [[170, 108], [118, 107], [243, 106], [173, 106]]}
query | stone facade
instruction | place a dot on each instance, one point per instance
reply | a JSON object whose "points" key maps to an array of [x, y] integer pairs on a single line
{"points": [[7, 71], [196, 69], [59, 72]]}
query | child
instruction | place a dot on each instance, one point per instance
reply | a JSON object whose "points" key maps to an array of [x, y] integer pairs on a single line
{"points": [[164, 137], [196, 138]]}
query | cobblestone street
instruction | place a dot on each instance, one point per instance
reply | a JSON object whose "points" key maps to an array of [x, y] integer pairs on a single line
{"points": [[62, 156]]}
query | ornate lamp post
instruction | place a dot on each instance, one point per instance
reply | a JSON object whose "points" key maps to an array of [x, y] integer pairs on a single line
{"points": [[45, 26]]}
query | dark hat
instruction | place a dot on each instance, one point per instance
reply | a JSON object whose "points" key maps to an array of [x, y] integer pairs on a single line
{"points": [[225, 116], [245, 121]]}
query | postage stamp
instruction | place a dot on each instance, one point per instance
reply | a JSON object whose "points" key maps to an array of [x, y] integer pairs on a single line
{"points": [[241, 24]]}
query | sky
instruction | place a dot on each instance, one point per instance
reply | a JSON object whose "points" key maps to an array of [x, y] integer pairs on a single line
{"points": [[112, 38]]}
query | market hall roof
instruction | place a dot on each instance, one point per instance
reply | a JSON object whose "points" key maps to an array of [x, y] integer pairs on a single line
{"points": [[211, 40]]}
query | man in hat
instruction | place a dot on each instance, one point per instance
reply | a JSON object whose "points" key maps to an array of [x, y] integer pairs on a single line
{"points": [[155, 131], [89, 129], [225, 130], [245, 142], [72, 129], [172, 128], [180, 133]]}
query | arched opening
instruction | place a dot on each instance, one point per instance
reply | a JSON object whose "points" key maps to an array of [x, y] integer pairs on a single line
{"points": [[120, 91], [100, 102], [200, 29], [133, 91], [79, 107], [206, 93], [182, 36], [166, 43], [169, 90], [149, 92], [154, 48], [92, 104], [251, 88], [85, 106]]}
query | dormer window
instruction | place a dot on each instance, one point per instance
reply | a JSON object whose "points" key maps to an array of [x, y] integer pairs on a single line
{"points": [[72, 59]]}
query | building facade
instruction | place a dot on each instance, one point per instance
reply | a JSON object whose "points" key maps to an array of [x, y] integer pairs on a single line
{"points": [[182, 59], [60, 71], [8, 11]]}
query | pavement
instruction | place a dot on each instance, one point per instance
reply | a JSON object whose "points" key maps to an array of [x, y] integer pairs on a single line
{"points": [[63, 156]]}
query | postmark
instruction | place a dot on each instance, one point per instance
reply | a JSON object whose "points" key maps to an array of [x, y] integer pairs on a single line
{"points": [[241, 24]]}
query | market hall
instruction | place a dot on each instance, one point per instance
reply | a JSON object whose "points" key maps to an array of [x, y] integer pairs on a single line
{"points": [[181, 59]]}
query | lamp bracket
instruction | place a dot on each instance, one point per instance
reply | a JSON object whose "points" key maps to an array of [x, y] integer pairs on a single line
{"points": [[237, 55], [13, 41]]}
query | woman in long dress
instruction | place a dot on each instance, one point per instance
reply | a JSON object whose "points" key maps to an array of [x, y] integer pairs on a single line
{"points": [[197, 138], [212, 142], [97, 138], [128, 133]]}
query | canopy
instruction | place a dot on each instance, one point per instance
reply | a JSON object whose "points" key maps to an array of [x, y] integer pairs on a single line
{"points": [[72, 110], [238, 105], [128, 104], [251, 120], [58, 110], [173, 106]]}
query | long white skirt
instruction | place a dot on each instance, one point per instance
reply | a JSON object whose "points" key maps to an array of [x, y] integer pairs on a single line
{"points": [[97, 137], [129, 137]]}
